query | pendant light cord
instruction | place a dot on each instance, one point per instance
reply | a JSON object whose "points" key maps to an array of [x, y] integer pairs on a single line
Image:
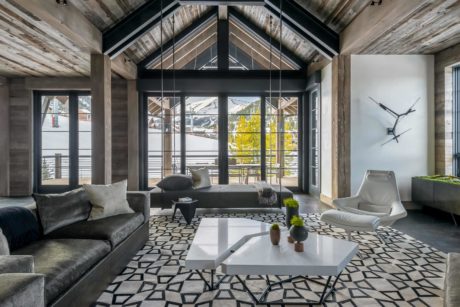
{"points": [[270, 88], [173, 107], [281, 128], [162, 91]]}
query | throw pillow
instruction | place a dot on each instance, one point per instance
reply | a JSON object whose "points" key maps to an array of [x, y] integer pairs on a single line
{"points": [[108, 200], [200, 178], [175, 182], [59, 210], [4, 247], [19, 226]]}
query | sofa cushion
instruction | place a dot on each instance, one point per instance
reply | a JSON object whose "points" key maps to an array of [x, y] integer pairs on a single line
{"points": [[19, 226], [200, 178], [114, 228], [64, 261], [107, 200], [175, 182], [4, 247], [58, 210], [18, 289]]}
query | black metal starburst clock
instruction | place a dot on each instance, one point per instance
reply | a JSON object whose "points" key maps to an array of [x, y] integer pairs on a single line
{"points": [[397, 118]]}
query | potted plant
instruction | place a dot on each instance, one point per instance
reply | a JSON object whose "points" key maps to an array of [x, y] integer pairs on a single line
{"points": [[298, 232], [275, 234], [292, 209]]}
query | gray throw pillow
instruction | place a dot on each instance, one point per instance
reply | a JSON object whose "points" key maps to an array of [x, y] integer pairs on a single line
{"points": [[200, 178], [108, 200], [4, 247], [59, 210], [175, 182]]}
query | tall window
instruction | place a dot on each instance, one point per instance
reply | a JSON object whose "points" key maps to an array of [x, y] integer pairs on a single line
{"points": [[201, 134], [244, 139], [282, 138], [62, 140], [163, 124], [456, 101]]}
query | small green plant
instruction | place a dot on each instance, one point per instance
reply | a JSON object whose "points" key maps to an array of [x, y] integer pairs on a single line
{"points": [[291, 203], [297, 221], [275, 226]]}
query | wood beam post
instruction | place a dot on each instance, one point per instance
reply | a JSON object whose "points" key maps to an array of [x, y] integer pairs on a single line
{"points": [[223, 41], [133, 136], [4, 137], [101, 119], [341, 75]]}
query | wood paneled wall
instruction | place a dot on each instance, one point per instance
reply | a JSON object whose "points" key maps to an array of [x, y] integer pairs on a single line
{"points": [[4, 137], [444, 61], [119, 130], [20, 143]]}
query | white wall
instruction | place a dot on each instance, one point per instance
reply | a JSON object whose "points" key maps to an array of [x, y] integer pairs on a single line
{"points": [[396, 81], [326, 131]]}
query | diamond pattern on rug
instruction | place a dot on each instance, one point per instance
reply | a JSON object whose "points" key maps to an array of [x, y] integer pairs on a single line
{"points": [[404, 272]]}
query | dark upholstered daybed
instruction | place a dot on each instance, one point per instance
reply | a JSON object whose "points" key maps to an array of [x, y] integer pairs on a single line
{"points": [[218, 196]]}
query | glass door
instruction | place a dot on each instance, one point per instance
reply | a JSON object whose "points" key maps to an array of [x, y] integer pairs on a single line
{"points": [[314, 143]]}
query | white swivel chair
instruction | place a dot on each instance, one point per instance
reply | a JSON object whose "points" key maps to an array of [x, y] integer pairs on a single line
{"points": [[377, 196]]}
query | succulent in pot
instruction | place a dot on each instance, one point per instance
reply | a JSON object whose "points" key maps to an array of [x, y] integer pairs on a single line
{"points": [[275, 234], [298, 232], [292, 209]]}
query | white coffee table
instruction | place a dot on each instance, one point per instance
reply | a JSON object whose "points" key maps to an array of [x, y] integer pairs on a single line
{"points": [[322, 256], [216, 239]]}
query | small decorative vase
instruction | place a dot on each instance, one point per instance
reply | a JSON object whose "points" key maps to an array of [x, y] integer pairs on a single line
{"points": [[275, 236], [298, 234], [290, 212]]}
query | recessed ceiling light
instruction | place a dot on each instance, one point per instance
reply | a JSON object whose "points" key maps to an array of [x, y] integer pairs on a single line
{"points": [[61, 2]]}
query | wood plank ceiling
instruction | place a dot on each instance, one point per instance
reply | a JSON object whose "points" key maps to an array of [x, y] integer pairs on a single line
{"points": [[30, 47]]}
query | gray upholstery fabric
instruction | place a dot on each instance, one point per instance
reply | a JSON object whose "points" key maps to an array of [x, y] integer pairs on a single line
{"points": [[16, 264], [4, 247], [217, 196], [175, 182], [64, 261], [58, 210], [22, 290], [140, 202], [452, 281], [113, 228]]}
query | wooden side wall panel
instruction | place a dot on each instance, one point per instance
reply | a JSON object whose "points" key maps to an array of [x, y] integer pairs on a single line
{"points": [[119, 131], [21, 149], [444, 61], [4, 137], [133, 135], [341, 75], [101, 114]]}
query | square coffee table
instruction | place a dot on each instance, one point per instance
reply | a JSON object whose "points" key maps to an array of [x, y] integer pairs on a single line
{"points": [[218, 238], [322, 256]]}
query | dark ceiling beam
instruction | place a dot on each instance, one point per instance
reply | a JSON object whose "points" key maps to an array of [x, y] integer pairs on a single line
{"points": [[260, 35], [223, 2], [184, 36], [214, 81], [127, 31], [299, 20]]}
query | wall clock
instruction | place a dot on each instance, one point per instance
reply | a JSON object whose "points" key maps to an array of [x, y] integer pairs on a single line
{"points": [[395, 135]]}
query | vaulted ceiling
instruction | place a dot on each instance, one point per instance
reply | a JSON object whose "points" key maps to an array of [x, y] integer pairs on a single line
{"points": [[30, 47]]}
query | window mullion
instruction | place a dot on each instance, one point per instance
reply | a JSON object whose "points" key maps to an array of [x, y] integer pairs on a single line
{"points": [[73, 139]]}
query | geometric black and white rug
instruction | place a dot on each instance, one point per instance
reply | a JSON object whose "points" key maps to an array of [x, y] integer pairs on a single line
{"points": [[404, 272]]}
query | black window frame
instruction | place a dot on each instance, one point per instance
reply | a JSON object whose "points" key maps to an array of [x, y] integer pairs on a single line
{"points": [[222, 132], [73, 95], [456, 120]]}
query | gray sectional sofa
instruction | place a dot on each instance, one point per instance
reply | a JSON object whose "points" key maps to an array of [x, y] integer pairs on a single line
{"points": [[74, 264], [217, 196]]}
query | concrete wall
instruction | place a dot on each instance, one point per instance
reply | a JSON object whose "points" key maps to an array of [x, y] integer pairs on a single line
{"points": [[396, 81]]}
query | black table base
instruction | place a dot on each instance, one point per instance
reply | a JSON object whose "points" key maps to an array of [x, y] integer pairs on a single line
{"points": [[187, 209], [329, 288]]}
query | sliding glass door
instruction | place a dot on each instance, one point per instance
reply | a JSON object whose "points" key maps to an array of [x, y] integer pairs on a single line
{"points": [[62, 142]]}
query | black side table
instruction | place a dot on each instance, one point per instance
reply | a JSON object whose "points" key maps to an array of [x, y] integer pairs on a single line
{"points": [[186, 208]]}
